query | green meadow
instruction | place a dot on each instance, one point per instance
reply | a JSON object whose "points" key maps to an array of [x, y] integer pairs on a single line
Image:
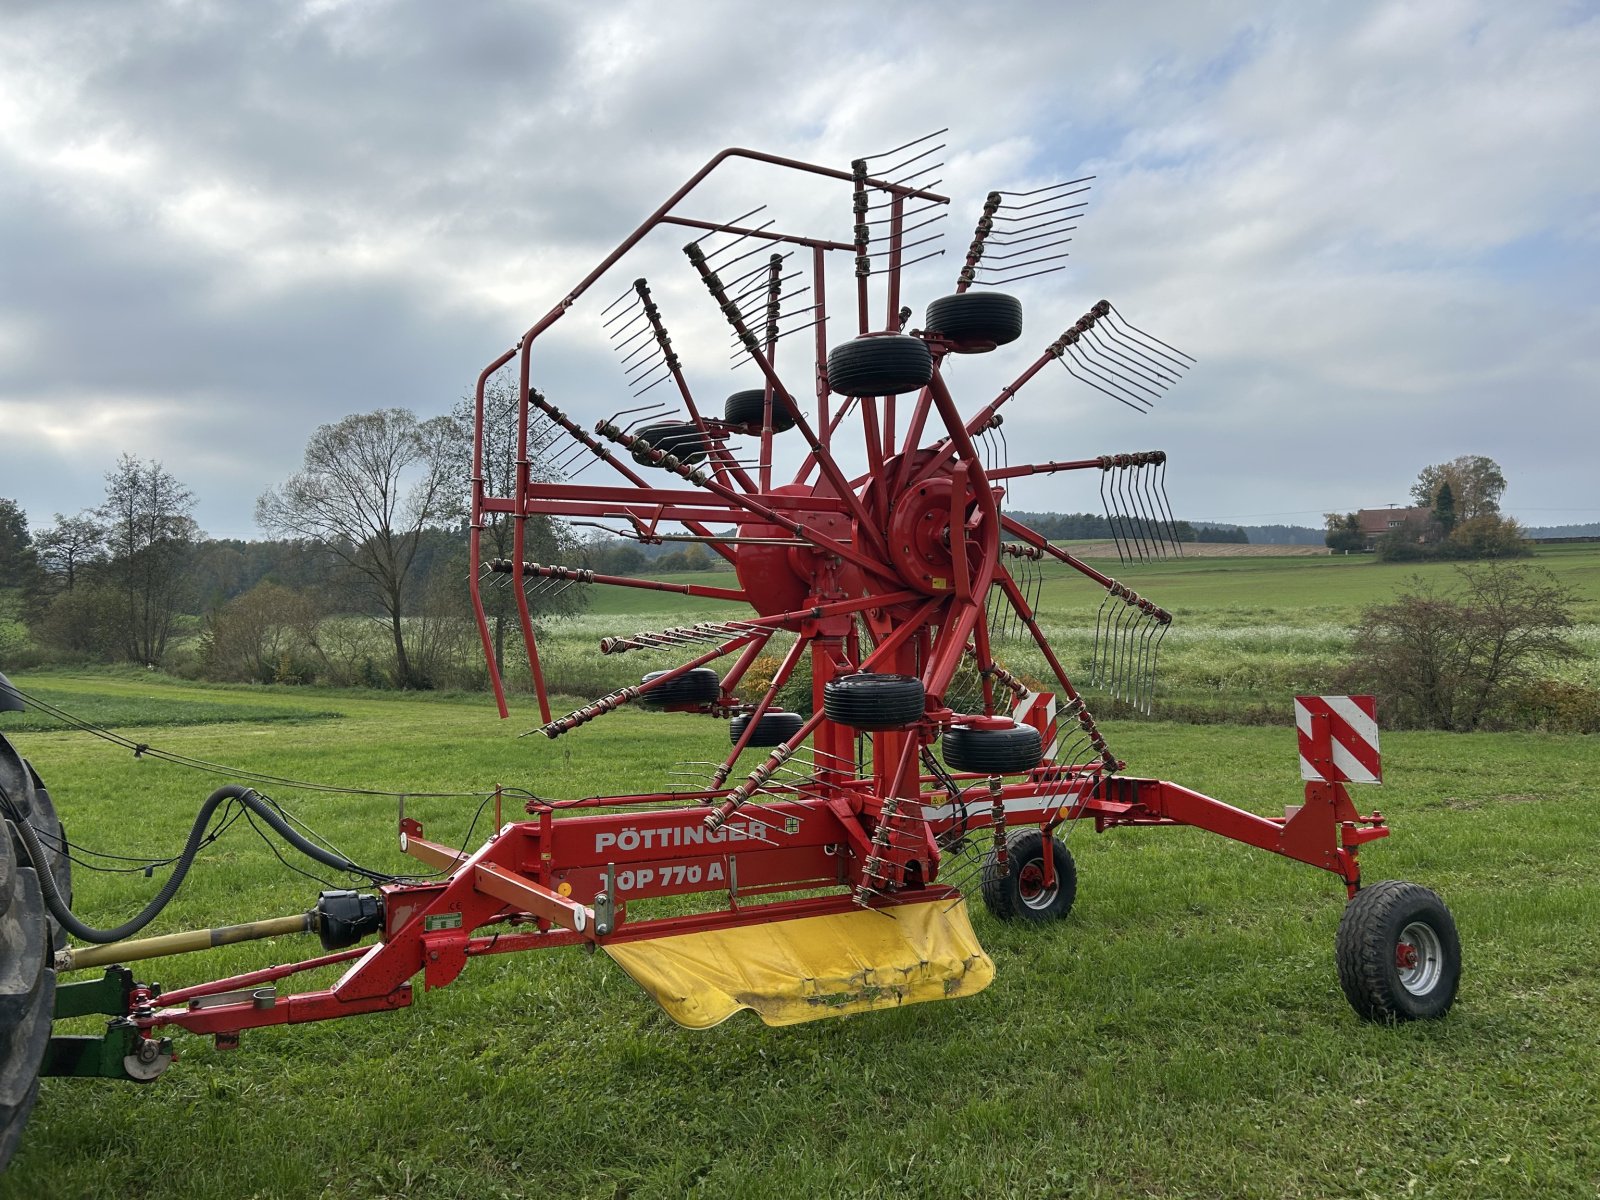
{"points": [[1181, 1033]]}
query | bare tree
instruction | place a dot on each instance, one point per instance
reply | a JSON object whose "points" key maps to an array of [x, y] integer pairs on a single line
{"points": [[370, 485], [1452, 660], [149, 536], [544, 540], [71, 545]]}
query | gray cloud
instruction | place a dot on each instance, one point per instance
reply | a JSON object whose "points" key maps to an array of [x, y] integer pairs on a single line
{"points": [[222, 225]]}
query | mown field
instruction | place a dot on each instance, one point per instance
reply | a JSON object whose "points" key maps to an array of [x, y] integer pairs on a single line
{"points": [[1181, 1034]]}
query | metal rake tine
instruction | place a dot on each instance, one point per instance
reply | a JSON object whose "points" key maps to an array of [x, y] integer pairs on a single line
{"points": [[1084, 179], [1106, 346], [1136, 497], [1018, 278], [1112, 375], [1030, 263], [737, 240], [644, 366], [626, 293], [885, 172], [1183, 360], [1131, 350], [1066, 363], [1172, 525], [927, 137], [1130, 505]]}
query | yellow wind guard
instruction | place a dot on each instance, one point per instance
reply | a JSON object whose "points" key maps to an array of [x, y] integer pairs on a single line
{"points": [[812, 967]]}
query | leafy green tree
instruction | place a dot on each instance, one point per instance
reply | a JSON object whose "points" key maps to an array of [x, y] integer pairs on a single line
{"points": [[71, 546], [18, 558], [1476, 485], [1344, 532], [1444, 507]]}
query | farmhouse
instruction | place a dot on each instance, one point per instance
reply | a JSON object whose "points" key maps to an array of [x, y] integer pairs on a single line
{"points": [[1376, 522]]}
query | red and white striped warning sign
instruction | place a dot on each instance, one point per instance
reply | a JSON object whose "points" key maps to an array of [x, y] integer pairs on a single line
{"points": [[1338, 739]]}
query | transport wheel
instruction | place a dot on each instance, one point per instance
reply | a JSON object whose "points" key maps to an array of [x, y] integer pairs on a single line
{"points": [[27, 990], [1021, 894], [1399, 954], [772, 729], [674, 437], [699, 686], [746, 408], [870, 701], [879, 365], [1002, 751], [975, 321]]}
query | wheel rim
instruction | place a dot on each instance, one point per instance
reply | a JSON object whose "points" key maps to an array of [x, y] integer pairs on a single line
{"points": [[1419, 958], [1031, 887]]}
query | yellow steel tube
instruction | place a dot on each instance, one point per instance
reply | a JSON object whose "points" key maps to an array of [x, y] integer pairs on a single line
{"points": [[76, 958]]}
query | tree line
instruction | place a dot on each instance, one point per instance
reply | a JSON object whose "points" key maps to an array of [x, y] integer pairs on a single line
{"points": [[360, 581]]}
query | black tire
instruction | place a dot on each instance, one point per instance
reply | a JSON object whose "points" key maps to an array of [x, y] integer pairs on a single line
{"points": [[747, 409], [27, 990], [773, 729], [32, 803], [1020, 894], [870, 701], [677, 438], [1399, 954], [975, 321], [699, 686], [880, 365], [992, 751]]}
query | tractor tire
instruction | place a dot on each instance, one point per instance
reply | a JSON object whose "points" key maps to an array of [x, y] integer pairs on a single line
{"points": [[27, 990], [699, 686], [747, 408], [992, 751], [1020, 894], [974, 322], [874, 702], [773, 729], [880, 365], [1398, 952], [32, 803], [678, 438]]}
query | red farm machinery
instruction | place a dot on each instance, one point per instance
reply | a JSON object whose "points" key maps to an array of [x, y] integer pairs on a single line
{"points": [[900, 721]]}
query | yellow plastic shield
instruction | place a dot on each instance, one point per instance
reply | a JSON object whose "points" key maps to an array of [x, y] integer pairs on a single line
{"points": [[812, 967]]}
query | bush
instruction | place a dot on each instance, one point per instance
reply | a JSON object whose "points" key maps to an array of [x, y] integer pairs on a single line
{"points": [[1459, 660]]}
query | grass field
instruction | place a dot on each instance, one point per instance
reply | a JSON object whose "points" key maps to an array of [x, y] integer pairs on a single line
{"points": [[1247, 632], [1181, 1034]]}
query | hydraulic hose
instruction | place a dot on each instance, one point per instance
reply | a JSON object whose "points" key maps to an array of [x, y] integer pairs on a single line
{"points": [[247, 797]]}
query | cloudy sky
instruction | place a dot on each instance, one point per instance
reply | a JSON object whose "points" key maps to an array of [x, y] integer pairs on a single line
{"points": [[1375, 225]]}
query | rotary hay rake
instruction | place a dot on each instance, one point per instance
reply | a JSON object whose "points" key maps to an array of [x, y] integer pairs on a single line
{"points": [[826, 879]]}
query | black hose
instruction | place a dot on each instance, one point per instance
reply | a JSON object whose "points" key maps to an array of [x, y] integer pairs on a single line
{"points": [[248, 797]]}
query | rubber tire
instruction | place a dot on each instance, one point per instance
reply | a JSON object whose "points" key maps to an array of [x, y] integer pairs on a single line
{"points": [[975, 322], [880, 365], [677, 438], [874, 702], [773, 729], [992, 751], [1004, 895], [32, 800], [1367, 944], [746, 409], [27, 991], [699, 686]]}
